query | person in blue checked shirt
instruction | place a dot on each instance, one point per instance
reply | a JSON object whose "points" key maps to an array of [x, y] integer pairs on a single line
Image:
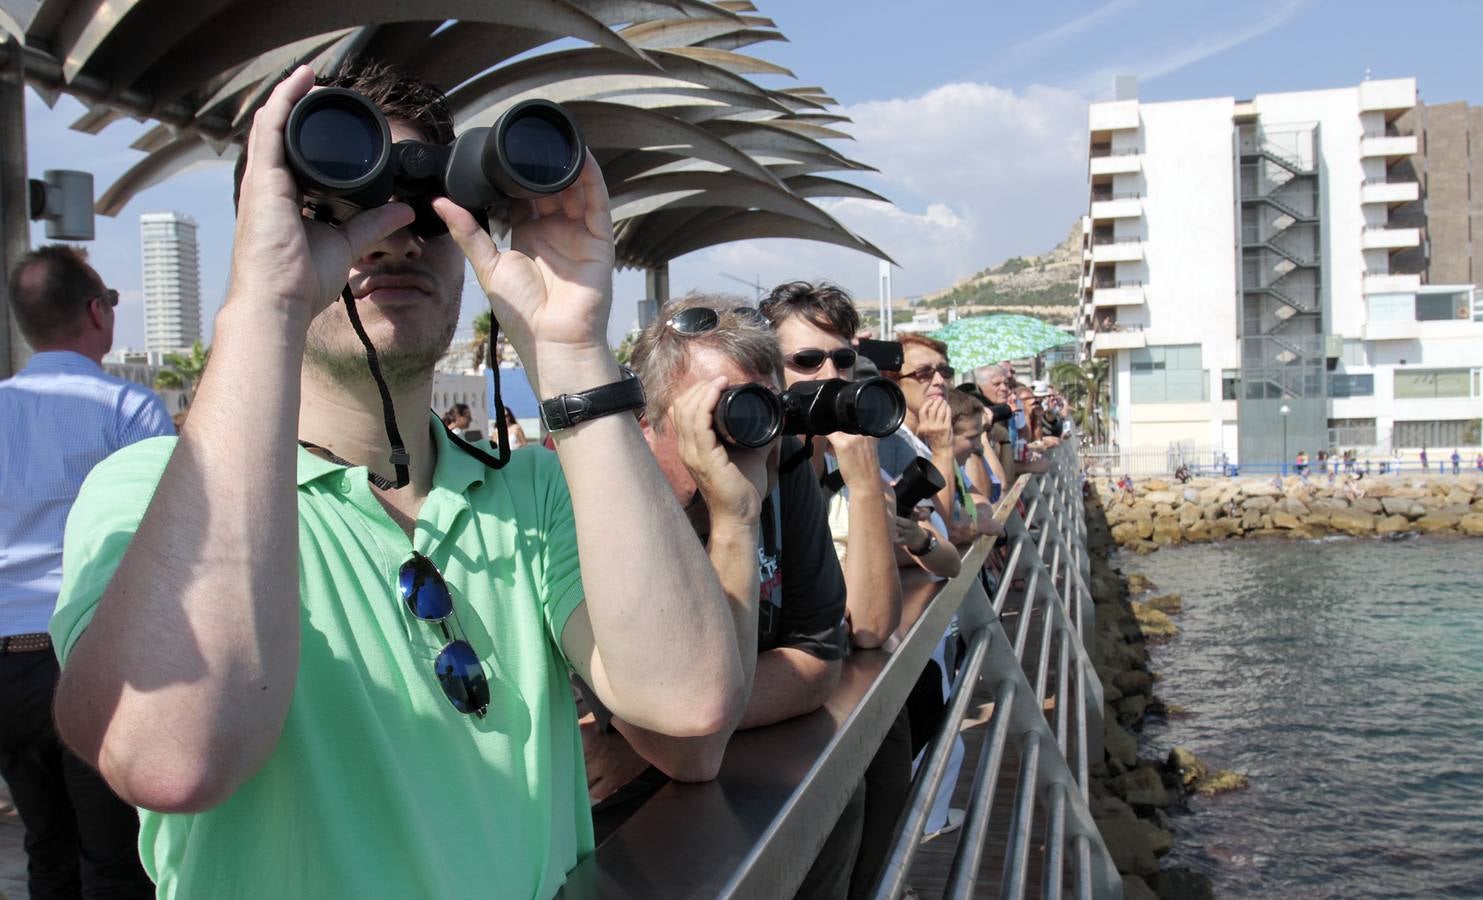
{"points": [[315, 683], [59, 417]]}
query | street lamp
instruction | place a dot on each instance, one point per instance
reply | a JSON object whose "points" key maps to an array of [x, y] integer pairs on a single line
{"points": [[1284, 410]]}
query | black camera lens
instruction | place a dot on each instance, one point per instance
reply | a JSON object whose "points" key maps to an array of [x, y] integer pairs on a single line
{"points": [[871, 406], [336, 141], [748, 416]]}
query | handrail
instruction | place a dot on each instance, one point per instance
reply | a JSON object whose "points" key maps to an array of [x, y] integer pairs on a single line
{"points": [[755, 830]]}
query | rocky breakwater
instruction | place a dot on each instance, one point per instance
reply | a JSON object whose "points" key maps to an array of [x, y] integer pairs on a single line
{"points": [[1157, 513], [1131, 797]]}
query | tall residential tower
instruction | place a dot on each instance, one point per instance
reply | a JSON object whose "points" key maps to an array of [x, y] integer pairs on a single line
{"points": [[172, 281], [1247, 279]]}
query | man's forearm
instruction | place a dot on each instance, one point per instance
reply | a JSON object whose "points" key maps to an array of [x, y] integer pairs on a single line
{"points": [[788, 683], [664, 643], [872, 587], [733, 553], [179, 687]]}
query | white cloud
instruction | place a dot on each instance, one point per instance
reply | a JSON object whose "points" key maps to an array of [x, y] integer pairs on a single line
{"points": [[978, 173]]}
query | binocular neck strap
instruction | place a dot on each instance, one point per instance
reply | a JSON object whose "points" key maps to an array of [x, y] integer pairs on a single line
{"points": [[804, 454], [399, 456], [400, 459]]}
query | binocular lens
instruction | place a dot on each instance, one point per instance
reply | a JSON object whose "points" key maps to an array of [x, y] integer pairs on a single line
{"points": [[748, 416], [876, 412], [338, 137], [538, 149]]}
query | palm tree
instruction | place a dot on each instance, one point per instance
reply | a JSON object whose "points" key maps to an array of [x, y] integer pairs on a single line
{"points": [[482, 324], [183, 370], [1085, 386]]}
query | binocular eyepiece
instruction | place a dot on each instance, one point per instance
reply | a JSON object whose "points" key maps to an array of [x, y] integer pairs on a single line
{"points": [[750, 415], [340, 149]]}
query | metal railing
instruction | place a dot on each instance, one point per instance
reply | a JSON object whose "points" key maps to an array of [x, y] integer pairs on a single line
{"points": [[754, 831], [1049, 563]]}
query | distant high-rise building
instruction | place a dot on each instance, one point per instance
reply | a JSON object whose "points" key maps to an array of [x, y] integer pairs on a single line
{"points": [[1257, 273], [172, 281]]}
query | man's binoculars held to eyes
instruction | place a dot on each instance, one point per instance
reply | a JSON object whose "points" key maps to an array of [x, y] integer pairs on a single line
{"points": [[339, 146], [750, 415]]}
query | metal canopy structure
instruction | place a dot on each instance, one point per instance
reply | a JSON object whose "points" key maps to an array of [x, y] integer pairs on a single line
{"points": [[695, 153]]}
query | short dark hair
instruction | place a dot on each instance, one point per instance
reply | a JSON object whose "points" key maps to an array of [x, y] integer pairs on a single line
{"points": [[400, 95], [50, 289], [825, 305]]}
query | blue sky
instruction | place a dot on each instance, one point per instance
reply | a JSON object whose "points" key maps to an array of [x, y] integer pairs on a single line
{"points": [[973, 110]]}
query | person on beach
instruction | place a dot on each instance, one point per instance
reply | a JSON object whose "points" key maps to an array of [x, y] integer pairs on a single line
{"points": [[319, 679], [1425, 466], [1456, 462]]}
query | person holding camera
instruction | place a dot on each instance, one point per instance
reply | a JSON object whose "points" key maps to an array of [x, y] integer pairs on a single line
{"points": [[698, 345], [814, 327], [317, 683]]}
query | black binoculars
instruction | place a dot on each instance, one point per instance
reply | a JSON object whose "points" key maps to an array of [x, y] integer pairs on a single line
{"points": [[750, 415], [339, 147]]}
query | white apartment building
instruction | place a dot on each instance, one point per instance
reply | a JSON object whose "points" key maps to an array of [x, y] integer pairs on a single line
{"points": [[1238, 278], [172, 281]]}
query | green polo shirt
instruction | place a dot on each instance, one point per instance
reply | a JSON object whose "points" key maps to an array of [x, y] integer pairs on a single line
{"points": [[378, 787]]}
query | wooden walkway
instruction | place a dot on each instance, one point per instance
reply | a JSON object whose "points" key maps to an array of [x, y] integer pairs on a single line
{"points": [[934, 860]]}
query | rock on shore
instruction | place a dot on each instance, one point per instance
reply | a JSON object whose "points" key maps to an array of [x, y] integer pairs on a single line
{"points": [[1130, 796], [1156, 514]]}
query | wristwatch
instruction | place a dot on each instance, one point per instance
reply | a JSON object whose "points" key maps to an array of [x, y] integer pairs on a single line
{"points": [[928, 548], [566, 410]]}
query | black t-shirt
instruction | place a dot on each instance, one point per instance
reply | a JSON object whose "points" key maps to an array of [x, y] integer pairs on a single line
{"points": [[802, 602]]}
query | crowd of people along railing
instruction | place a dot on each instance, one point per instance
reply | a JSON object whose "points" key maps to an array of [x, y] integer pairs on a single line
{"points": [[755, 829]]}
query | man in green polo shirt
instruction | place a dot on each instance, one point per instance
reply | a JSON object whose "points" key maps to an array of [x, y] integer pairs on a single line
{"points": [[317, 684]]}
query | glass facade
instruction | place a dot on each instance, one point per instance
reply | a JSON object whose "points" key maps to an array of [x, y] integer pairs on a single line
{"points": [[1430, 384], [1171, 374]]}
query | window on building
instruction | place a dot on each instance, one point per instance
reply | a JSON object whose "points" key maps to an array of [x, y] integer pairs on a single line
{"points": [[1427, 384], [1353, 354], [1434, 433], [1443, 307], [1352, 433], [1170, 374], [1230, 384], [1342, 385]]}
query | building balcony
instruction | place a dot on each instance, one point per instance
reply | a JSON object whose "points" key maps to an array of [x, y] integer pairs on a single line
{"points": [[1117, 206], [1388, 145], [1383, 237], [1386, 283], [1387, 94], [1118, 115], [1126, 294], [1391, 193], [1118, 162], [1118, 250], [1106, 343]]}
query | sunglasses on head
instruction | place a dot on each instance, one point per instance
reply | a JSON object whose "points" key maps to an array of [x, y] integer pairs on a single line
{"points": [[924, 373], [459, 672], [700, 319], [810, 359]]}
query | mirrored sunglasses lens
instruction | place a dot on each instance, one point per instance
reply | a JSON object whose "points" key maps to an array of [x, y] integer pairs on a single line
{"points": [[695, 320], [462, 678], [424, 591]]}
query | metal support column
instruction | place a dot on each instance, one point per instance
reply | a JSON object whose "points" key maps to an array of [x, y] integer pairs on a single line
{"points": [[656, 284], [15, 221]]}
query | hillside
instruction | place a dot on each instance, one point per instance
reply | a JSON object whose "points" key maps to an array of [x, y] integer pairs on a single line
{"points": [[1043, 286]]}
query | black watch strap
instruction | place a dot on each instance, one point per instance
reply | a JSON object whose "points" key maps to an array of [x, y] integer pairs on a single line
{"points": [[567, 410]]}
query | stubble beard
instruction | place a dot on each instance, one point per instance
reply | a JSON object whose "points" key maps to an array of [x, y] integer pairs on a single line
{"points": [[334, 350]]}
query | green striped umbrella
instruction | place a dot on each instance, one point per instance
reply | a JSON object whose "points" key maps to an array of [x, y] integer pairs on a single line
{"points": [[984, 340]]}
